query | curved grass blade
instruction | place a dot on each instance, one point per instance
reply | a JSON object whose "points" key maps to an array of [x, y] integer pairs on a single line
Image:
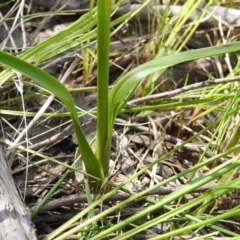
{"points": [[129, 81], [92, 164]]}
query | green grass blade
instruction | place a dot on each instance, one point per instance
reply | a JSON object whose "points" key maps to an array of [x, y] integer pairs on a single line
{"points": [[92, 164], [129, 81], [103, 48]]}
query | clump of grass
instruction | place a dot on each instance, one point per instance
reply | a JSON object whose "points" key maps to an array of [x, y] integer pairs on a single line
{"points": [[185, 218]]}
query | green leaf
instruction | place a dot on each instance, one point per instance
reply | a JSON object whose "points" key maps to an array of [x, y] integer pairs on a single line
{"points": [[129, 81], [92, 164], [103, 145]]}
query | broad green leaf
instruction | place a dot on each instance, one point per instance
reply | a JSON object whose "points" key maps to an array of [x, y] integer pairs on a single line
{"points": [[92, 164], [129, 81]]}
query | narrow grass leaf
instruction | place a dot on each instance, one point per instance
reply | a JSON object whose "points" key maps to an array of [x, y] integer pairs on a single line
{"points": [[134, 77], [92, 164]]}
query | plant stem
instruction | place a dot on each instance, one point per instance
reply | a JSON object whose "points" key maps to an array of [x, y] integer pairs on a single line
{"points": [[103, 48]]}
